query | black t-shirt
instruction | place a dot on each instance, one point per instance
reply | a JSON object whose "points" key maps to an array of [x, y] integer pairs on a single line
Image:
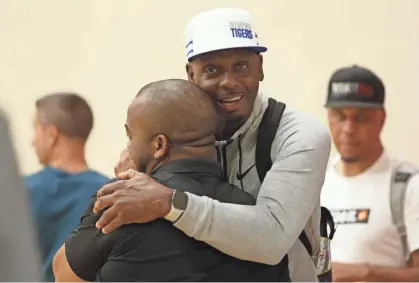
{"points": [[157, 251]]}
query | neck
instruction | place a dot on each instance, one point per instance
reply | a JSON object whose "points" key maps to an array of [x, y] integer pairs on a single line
{"points": [[70, 158], [205, 153], [230, 129], [350, 169], [225, 135]]}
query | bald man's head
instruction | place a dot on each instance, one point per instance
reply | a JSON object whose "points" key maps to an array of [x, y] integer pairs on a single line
{"points": [[167, 117]]}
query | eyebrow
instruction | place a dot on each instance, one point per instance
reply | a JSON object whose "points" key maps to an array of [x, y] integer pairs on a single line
{"points": [[242, 61]]}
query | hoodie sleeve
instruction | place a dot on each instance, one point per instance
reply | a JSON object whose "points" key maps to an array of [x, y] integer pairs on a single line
{"points": [[291, 190]]}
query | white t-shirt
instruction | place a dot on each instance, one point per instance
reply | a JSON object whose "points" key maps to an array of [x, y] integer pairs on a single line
{"points": [[360, 206]]}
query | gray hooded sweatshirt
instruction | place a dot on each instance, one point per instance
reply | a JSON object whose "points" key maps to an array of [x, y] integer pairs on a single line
{"points": [[288, 201]]}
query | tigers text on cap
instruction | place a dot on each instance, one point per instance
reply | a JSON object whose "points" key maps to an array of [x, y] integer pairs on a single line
{"points": [[221, 29], [355, 87]]}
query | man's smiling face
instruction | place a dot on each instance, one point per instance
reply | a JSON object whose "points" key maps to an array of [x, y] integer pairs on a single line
{"points": [[232, 79]]}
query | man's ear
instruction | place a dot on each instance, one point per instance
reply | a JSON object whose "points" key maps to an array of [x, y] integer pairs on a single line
{"points": [[261, 74], [161, 147], [189, 72], [53, 134], [383, 117]]}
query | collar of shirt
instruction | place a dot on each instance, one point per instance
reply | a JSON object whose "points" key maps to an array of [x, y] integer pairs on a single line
{"points": [[190, 166]]}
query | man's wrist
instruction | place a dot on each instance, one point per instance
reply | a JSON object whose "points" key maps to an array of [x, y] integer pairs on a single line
{"points": [[178, 205], [167, 202]]}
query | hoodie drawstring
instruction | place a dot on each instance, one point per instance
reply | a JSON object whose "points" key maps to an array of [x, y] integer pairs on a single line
{"points": [[240, 160], [222, 157]]}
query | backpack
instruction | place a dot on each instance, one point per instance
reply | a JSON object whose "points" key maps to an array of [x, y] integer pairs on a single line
{"points": [[266, 135], [399, 181]]}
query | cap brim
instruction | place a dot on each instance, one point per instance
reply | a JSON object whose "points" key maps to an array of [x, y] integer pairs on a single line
{"points": [[341, 104], [257, 49]]}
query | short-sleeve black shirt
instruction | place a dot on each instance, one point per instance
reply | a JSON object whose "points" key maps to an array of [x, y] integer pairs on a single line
{"points": [[157, 251]]}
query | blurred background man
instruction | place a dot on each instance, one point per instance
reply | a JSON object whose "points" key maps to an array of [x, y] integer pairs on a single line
{"points": [[373, 196], [17, 243], [60, 192]]}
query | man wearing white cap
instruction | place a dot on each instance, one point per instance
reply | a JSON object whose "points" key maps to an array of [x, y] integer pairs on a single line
{"points": [[223, 53]]}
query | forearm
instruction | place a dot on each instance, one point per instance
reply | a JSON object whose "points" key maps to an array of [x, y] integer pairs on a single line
{"points": [[245, 232], [61, 268], [287, 198], [263, 233], [390, 274]]}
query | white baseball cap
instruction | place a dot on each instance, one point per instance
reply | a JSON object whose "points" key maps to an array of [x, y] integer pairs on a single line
{"points": [[220, 29]]}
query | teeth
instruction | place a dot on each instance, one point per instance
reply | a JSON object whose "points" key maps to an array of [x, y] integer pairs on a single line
{"points": [[229, 100]]}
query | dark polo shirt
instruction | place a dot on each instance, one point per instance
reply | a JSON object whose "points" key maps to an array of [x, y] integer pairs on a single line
{"points": [[157, 251]]}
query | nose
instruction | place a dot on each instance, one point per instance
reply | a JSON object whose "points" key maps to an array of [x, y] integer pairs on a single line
{"points": [[228, 81], [349, 127]]}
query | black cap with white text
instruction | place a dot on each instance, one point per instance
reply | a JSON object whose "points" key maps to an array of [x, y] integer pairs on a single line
{"points": [[355, 86]]}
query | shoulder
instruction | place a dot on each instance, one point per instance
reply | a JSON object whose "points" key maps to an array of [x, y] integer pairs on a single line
{"points": [[91, 181], [332, 183], [174, 181], [87, 248], [411, 209], [99, 177], [164, 177], [400, 164], [403, 167], [301, 123], [414, 184], [332, 162], [302, 131], [412, 190], [181, 182], [37, 179]]}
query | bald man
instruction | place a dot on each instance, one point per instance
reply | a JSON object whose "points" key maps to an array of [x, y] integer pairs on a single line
{"points": [[171, 127]]}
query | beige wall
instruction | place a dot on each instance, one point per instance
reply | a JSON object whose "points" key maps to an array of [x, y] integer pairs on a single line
{"points": [[108, 49]]}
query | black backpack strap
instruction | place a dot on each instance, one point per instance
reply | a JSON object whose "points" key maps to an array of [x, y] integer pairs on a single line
{"points": [[305, 241], [267, 132], [327, 224]]}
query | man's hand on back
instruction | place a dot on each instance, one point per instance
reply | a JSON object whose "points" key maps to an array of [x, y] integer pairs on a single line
{"points": [[136, 199]]}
